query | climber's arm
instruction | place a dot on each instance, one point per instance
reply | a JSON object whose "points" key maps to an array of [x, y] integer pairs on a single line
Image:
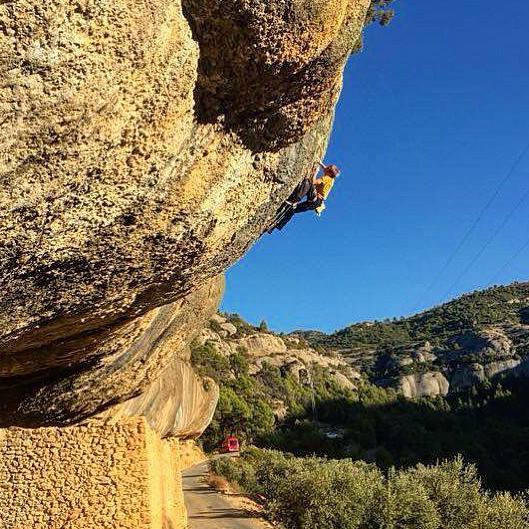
{"points": [[315, 179]]}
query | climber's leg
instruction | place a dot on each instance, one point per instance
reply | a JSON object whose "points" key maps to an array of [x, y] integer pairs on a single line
{"points": [[303, 189], [285, 219], [306, 189], [308, 205]]}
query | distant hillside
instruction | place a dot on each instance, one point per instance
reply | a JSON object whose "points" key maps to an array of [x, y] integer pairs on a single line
{"points": [[278, 392], [447, 348], [265, 379]]}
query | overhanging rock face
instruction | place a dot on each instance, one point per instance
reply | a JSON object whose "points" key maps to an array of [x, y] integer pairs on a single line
{"points": [[70, 381], [144, 146], [90, 477]]}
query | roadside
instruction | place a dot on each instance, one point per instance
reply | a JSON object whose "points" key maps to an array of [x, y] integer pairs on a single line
{"points": [[209, 509]]}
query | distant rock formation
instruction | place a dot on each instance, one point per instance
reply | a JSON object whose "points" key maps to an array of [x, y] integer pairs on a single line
{"points": [[447, 349], [289, 354], [474, 358], [470, 375], [144, 146], [429, 384]]}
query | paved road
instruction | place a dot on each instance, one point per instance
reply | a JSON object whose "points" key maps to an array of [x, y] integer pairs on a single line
{"points": [[207, 509]]}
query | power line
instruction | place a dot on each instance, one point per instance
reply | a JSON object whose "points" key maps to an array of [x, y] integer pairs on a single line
{"points": [[487, 243], [509, 262], [475, 224]]}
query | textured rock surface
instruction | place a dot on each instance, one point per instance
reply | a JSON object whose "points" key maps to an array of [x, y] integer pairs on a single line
{"points": [[143, 147], [178, 404], [120, 476], [190, 454], [262, 344], [288, 354], [424, 385]]}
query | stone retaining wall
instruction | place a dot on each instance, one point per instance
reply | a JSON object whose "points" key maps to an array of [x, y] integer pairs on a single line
{"points": [[119, 476]]}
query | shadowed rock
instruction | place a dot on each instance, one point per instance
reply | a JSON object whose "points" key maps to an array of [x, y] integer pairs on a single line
{"points": [[144, 146]]}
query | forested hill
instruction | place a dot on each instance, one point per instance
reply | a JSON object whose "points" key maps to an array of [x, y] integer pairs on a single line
{"points": [[465, 341], [434, 385], [497, 305]]}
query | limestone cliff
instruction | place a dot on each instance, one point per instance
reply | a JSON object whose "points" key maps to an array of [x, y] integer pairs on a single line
{"points": [[118, 476], [144, 146]]}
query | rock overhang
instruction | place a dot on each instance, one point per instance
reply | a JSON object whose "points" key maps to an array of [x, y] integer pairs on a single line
{"points": [[144, 147]]}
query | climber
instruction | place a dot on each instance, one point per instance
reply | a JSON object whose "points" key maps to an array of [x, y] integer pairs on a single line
{"points": [[316, 190]]}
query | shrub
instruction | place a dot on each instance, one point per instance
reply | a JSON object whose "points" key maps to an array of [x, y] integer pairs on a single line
{"points": [[239, 363], [505, 511], [208, 362], [405, 504], [242, 473], [243, 327], [379, 12], [456, 489], [307, 493]]}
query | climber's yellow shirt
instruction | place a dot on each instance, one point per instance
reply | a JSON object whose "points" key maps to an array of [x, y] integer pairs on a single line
{"points": [[324, 187]]}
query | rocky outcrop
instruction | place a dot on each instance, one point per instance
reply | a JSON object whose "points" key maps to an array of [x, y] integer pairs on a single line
{"points": [[470, 375], [144, 146], [478, 356], [262, 344], [429, 384], [468, 359], [287, 354]]}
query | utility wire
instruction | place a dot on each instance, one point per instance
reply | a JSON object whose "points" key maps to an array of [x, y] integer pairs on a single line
{"points": [[475, 224], [509, 262], [487, 243]]}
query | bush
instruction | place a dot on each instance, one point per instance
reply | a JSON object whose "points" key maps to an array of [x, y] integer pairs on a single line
{"points": [[307, 493], [239, 363], [242, 473], [405, 503], [379, 12], [504, 510], [208, 362], [456, 489], [243, 327]]}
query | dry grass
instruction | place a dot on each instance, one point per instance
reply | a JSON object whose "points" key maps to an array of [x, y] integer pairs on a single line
{"points": [[219, 483]]}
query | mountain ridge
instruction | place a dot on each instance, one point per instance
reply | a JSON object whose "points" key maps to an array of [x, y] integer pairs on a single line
{"points": [[447, 348]]}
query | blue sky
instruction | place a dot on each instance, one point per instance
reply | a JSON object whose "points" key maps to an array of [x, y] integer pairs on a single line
{"points": [[433, 115]]}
